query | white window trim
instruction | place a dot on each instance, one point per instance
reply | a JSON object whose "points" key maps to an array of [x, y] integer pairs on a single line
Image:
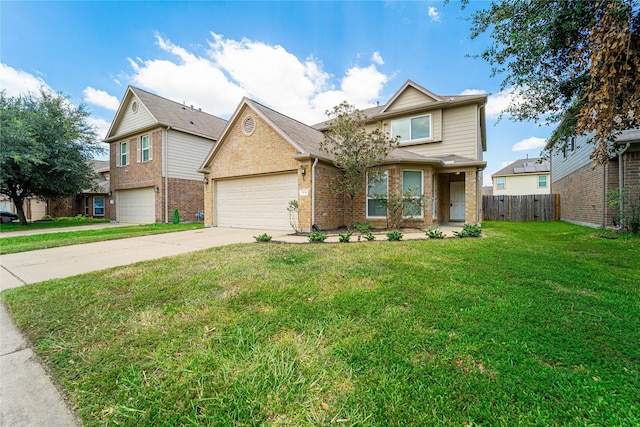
{"points": [[386, 175], [420, 194], [149, 149], [126, 153], [411, 140], [546, 181], [103, 205]]}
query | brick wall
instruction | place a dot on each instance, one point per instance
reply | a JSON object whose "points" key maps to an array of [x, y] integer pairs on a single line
{"points": [[331, 207], [581, 194], [185, 195]]}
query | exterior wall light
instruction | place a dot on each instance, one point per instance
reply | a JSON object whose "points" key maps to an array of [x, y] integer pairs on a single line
{"points": [[303, 171]]}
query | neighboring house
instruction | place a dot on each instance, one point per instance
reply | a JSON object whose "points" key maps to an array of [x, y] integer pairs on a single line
{"points": [[156, 148], [265, 159], [92, 202], [34, 208], [523, 177], [583, 185]]}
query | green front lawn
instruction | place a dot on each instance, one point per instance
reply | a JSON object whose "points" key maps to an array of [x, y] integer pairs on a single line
{"points": [[535, 324], [43, 225], [9, 245]]}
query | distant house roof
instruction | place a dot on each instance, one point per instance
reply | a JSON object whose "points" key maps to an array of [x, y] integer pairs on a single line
{"points": [[172, 114], [525, 166]]}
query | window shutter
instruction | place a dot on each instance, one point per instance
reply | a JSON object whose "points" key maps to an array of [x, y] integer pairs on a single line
{"points": [[150, 147], [117, 154], [139, 148]]}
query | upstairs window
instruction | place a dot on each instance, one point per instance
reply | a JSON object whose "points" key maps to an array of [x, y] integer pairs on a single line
{"points": [[145, 148], [412, 129], [542, 181], [500, 183], [124, 154]]}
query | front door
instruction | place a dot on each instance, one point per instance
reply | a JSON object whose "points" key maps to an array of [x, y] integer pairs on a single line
{"points": [[456, 195]]}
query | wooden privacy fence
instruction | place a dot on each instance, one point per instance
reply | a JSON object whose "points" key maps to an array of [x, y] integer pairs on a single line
{"points": [[538, 207]]}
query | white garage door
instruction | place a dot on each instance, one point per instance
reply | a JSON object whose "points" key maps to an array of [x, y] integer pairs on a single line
{"points": [[259, 202], [136, 206]]}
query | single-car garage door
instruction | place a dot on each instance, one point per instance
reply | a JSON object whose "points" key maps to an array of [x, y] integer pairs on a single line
{"points": [[257, 202], [137, 206]]}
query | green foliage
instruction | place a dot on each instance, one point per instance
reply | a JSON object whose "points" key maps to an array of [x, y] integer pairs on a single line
{"points": [[344, 238], [469, 230], [47, 218], [394, 236], [627, 202], [262, 238], [435, 233], [363, 227], [401, 207], [369, 236], [293, 208], [317, 237], [354, 149], [47, 143], [175, 218], [576, 63]]}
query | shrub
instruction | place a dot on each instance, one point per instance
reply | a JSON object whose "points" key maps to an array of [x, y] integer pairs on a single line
{"points": [[435, 233], [363, 227], [262, 238], [344, 238], [175, 219], [394, 236], [369, 236], [47, 218], [317, 237], [628, 199], [468, 230]]}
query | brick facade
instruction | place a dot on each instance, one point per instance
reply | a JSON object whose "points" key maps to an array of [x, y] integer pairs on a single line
{"points": [[72, 206], [186, 196], [582, 194]]}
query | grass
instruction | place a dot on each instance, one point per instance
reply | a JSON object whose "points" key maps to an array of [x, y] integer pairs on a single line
{"points": [[9, 245], [43, 225], [535, 324]]}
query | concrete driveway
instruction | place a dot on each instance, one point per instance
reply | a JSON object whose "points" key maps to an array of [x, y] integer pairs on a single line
{"points": [[28, 396], [37, 266]]}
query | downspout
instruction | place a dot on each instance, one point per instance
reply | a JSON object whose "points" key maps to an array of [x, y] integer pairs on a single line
{"points": [[313, 192], [164, 174], [621, 175]]}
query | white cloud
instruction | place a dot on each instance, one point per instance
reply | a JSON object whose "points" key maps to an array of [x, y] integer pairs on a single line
{"points": [[231, 69], [17, 82], [473, 92], [377, 58], [434, 14], [101, 98], [530, 144]]}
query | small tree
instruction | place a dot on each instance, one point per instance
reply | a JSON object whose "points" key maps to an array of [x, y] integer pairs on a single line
{"points": [[46, 144], [401, 207], [627, 202], [293, 208], [354, 149]]}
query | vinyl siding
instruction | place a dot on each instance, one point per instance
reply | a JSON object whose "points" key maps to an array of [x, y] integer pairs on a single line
{"points": [[131, 121], [185, 154], [562, 166], [411, 97], [459, 134], [516, 185]]}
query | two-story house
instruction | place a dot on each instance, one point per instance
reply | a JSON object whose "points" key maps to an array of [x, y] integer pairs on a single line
{"points": [[265, 159], [522, 177], [156, 148], [583, 185]]}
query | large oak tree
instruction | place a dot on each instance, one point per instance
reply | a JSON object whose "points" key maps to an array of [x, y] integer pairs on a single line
{"points": [[46, 144], [572, 62]]}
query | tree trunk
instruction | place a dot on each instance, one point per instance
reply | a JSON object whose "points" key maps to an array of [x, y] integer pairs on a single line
{"points": [[19, 204], [351, 197]]}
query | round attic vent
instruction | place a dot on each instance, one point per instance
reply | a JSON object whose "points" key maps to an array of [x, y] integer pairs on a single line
{"points": [[134, 107], [248, 126]]}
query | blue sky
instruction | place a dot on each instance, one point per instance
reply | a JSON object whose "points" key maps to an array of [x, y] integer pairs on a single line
{"points": [[300, 58]]}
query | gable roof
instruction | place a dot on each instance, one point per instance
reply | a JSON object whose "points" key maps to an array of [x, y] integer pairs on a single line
{"points": [[525, 166], [381, 112], [169, 114]]}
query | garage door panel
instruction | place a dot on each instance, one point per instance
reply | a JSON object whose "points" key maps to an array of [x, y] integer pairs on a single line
{"points": [[257, 202], [136, 206]]}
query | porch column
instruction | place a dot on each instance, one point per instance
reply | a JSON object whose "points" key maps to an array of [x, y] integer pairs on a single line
{"points": [[471, 196]]}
